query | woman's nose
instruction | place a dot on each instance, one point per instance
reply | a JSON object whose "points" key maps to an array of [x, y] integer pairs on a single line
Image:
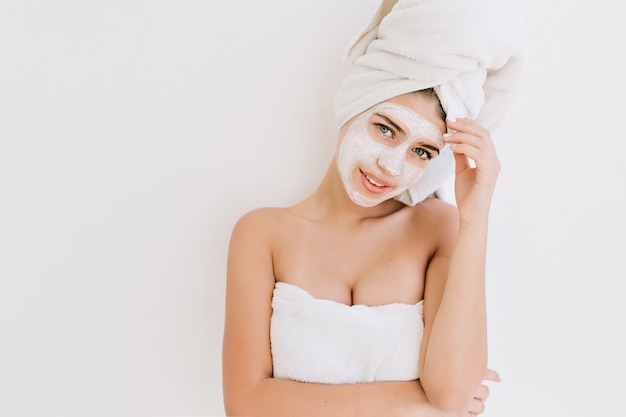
{"points": [[391, 165]]}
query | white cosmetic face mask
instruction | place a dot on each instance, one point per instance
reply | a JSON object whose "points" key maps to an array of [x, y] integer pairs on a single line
{"points": [[385, 165]]}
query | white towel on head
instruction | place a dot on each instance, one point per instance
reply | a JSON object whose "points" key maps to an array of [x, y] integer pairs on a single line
{"points": [[470, 51]]}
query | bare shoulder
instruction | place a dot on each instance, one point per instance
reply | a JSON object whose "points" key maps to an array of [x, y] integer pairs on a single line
{"points": [[440, 211], [439, 218], [260, 222], [250, 253]]}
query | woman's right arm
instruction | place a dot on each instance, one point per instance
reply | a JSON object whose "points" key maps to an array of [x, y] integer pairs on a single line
{"points": [[249, 389]]}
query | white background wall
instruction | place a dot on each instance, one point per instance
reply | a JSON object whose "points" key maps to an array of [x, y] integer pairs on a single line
{"points": [[133, 134]]}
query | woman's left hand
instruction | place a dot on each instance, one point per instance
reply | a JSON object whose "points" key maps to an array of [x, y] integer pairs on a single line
{"points": [[474, 184]]}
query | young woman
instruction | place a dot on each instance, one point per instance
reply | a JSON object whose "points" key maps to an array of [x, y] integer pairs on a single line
{"points": [[351, 302], [353, 244]]}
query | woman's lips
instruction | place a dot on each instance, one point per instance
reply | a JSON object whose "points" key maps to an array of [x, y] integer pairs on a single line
{"points": [[373, 184]]}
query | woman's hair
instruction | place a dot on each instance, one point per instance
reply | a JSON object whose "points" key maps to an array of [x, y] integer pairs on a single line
{"points": [[431, 95]]}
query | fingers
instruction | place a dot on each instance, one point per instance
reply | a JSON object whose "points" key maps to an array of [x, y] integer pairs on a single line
{"points": [[482, 392], [468, 126], [470, 138], [462, 162], [476, 407], [491, 375], [472, 141]]}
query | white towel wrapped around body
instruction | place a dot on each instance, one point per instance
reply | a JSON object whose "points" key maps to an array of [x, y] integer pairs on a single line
{"points": [[470, 52], [323, 341]]}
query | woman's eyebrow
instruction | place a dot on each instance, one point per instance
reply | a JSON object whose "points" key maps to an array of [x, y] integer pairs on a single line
{"points": [[431, 147], [391, 122]]}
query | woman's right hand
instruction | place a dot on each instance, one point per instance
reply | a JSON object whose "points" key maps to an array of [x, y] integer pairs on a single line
{"points": [[474, 185], [477, 404]]}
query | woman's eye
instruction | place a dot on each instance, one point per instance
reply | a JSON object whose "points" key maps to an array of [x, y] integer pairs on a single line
{"points": [[386, 131], [422, 153]]}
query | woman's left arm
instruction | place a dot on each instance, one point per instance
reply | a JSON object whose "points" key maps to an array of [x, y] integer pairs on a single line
{"points": [[453, 359]]}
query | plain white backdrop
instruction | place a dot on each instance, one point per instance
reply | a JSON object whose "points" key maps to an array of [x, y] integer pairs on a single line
{"points": [[133, 134]]}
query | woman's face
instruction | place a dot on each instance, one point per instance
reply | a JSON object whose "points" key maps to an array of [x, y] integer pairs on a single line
{"points": [[385, 149]]}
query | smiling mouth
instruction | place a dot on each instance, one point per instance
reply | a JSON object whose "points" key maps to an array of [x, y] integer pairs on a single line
{"points": [[372, 184], [372, 181]]}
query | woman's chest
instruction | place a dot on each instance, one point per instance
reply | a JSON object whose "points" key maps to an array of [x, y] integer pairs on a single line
{"points": [[372, 268]]}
